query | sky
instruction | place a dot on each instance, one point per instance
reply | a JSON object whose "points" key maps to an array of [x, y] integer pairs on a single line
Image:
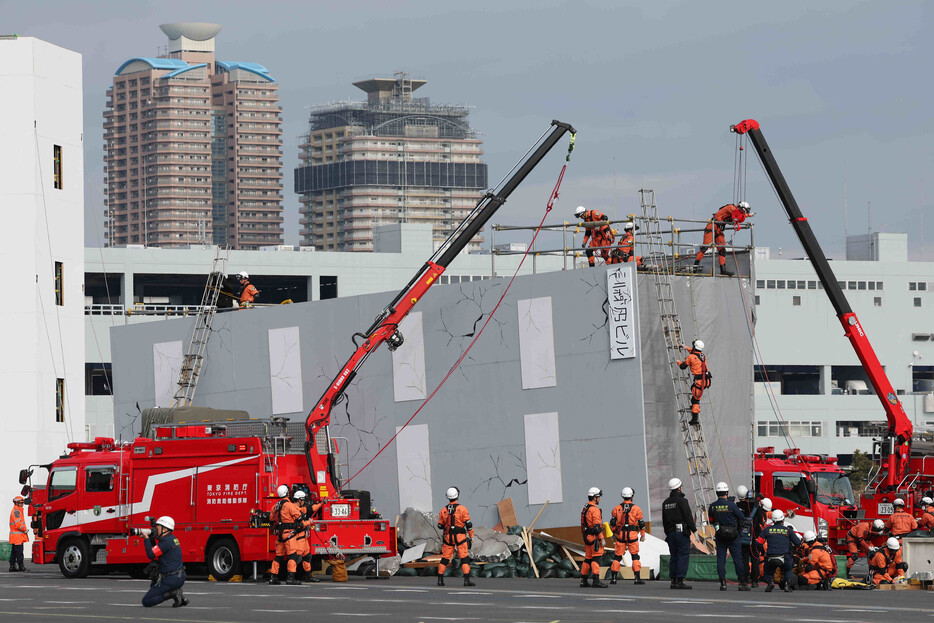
{"points": [[842, 91]]}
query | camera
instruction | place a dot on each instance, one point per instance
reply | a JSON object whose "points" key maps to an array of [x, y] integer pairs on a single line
{"points": [[140, 532]]}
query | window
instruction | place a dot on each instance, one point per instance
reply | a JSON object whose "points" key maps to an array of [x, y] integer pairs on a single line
{"points": [[796, 301], [99, 479], [912, 286], [850, 285], [860, 428], [793, 379], [59, 400], [878, 285], [917, 301], [791, 487], [97, 379], [62, 482], [876, 300], [57, 166], [795, 429], [812, 285], [862, 285], [757, 299], [922, 379], [771, 285], [760, 283], [59, 284], [327, 287], [781, 284]]}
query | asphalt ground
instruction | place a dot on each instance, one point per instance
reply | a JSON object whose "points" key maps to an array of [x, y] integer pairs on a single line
{"points": [[44, 595]]}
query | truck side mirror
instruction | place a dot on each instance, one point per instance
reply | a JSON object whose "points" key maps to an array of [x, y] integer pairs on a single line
{"points": [[24, 475], [812, 486]]}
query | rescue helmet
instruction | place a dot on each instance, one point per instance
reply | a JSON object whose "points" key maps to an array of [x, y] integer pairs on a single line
{"points": [[893, 543], [743, 205], [674, 484], [898, 502], [299, 495], [579, 210], [18, 499], [452, 493], [594, 492], [810, 536], [283, 491], [630, 226], [927, 500], [698, 344], [778, 515], [878, 526], [766, 504], [166, 522], [742, 492], [722, 487], [243, 275], [627, 493]]}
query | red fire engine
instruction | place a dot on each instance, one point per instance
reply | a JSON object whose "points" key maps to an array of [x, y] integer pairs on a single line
{"points": [[217, 482]]}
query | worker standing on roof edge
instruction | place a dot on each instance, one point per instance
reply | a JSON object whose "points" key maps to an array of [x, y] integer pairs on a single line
{"points": [[454, 521], [625, 251], [778, 540], [162, 546], [592, 531], [887, 564], [727, 518], [900, 522], [19, 534], [697, 361], [926, 521], [275, 519], [713, 233], [862, 538], [678, 523], [601, 236], [628, 526], [249, 293]]}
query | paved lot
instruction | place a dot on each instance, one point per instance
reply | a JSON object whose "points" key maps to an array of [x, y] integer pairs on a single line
{"points": [[45, 596]]}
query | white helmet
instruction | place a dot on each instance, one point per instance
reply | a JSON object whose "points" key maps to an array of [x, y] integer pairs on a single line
{"points": [[627, 493], [166, 522], [630, 226], [878, 526], [243, 275], [698, 345], [742, 492], [927, 500], [594, 492], [898, 502], [766, 504], [744, 206], [283, 491], [722, 487], [674, 483], [299, 495], [452, 493], [893, 543], [810, 536], [778, 515], [579, 210]]}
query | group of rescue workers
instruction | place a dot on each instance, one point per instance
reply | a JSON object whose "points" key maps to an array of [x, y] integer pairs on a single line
{"points": [[599, 236]]}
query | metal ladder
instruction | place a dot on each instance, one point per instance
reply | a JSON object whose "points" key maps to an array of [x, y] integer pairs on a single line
{"points": [[194, 357], [695, 445]]}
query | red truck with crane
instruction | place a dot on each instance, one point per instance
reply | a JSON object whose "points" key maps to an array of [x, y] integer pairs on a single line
{"points": [[218, 480]]}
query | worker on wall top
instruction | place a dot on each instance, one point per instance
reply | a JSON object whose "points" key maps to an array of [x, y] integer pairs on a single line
{"points": [[249, 293], [625, 251], [599, 236], [713, 233]]}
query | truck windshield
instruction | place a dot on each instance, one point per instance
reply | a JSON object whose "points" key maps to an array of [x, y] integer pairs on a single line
{"points": [[833, 488]]}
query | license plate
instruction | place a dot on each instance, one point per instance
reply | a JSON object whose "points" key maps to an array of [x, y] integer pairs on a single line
{"points": [[340, 510], [886, 509]]}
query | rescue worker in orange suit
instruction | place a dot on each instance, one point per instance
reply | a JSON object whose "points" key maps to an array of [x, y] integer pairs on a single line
{"points": [[926, 521], [275, 518], [625, 251], [818, 563], [592, 531], [163, 547], [862, 538], [454, 522], [249, 293], [19, 534], [887, 564], [309, 511], [293, 529], [727, 517], [697, 362], [713, 233], [900, 522], [628, 526], [601, 236]]}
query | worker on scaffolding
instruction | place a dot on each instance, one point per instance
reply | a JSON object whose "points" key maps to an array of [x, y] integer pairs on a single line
{"points": [[697, 361], [249, 292], [713, 233], [625, 251], [600, 237]]}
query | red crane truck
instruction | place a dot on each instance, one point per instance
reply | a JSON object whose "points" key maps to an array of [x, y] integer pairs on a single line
{"points": [[217, 481], [898, 472]]}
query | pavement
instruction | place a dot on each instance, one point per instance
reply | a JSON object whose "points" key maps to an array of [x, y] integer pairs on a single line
{"points": [[44, 595]]}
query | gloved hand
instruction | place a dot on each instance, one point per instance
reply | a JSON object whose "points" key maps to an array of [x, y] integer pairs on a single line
{"points": [[808, 566], [469, 544], [642, 538]]}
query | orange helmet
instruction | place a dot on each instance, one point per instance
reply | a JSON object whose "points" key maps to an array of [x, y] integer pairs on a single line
{"points": [[18, 498]]}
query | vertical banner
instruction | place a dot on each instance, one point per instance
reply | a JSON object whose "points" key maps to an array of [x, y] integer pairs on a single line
{"points": [[536, 343], [414, 467], [620, 291], [166, 364], [543, 458], [408, 361], [285, 370]]}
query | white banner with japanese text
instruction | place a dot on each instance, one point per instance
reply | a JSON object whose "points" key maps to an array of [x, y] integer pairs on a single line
{"points": [[620, 290]]}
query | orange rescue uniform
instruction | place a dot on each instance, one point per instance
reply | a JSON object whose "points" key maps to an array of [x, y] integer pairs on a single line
{"points": [[819, 564], [248, 295], [926, 521], [18, 531], [454, 520], [597, 236], [698, 364], [592, 531], [713, 233], [274, 519], [901, 523], [628, 529], [885, 567], [625, 252], [291, 513]]}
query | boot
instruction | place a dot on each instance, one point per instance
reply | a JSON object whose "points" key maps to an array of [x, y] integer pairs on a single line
{"points": [[769, 587], [467, 581], [13, 569], [308, 578], [682, 585], [722, 584], [275, 581], [290, 580], [786, 588], [694, 419], [613, 576], [178, 599], [597, 583], [22, 569], [440, 580], [584, 582], [743, 586], [639, 579], [725, 271], [674, 583]]}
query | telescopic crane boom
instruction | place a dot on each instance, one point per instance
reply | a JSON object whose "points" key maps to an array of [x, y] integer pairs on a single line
{"points": [[897, 442], [385, 328]]}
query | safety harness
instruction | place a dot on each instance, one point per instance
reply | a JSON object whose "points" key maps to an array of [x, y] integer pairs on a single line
{"points": [[588, 531], [623, 529]]}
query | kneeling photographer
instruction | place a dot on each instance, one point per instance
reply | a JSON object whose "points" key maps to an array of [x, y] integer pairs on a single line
{"points": [[164, 550]]}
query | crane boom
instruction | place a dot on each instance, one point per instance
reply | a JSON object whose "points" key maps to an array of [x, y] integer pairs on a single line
{"points": [[386, 326], [899, 425]]}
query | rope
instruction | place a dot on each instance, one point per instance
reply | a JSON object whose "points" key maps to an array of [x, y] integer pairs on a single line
{"points": [[551, 201]]}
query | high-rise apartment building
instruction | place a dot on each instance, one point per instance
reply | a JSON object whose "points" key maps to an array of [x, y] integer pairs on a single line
{"points": [[391, 159], [193, 148]]}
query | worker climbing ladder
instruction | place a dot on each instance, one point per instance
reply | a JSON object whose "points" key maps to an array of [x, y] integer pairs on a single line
{"points": [[193, 360], [695, 445]]}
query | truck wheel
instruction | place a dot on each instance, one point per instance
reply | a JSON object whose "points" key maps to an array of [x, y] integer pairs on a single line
{"points": [[74, 558], [223, 559]]}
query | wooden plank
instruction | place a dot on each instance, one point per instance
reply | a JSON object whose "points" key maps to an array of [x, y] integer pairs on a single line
{"points": [[540, 511], [528, 547], [551, 539], [507, 513], [567, 555]]}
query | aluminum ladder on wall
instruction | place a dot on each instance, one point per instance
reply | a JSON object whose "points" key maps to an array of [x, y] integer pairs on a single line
{"points": [[695, 445], [193, 360]]}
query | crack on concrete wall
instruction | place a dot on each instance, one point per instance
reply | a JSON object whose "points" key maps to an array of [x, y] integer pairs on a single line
{"points": [[498, 480], [479, 299]]}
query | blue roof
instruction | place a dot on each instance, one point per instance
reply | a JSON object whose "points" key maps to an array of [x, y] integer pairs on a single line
{"points": [[155, 63], [178, 72], [255, 68]]}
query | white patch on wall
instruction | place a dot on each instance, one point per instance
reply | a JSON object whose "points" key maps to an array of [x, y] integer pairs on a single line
{"points": [[408, 361], [285, 370], [620, 296], [414, 467], [166, 364], [536, 343], [543, 458]]}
